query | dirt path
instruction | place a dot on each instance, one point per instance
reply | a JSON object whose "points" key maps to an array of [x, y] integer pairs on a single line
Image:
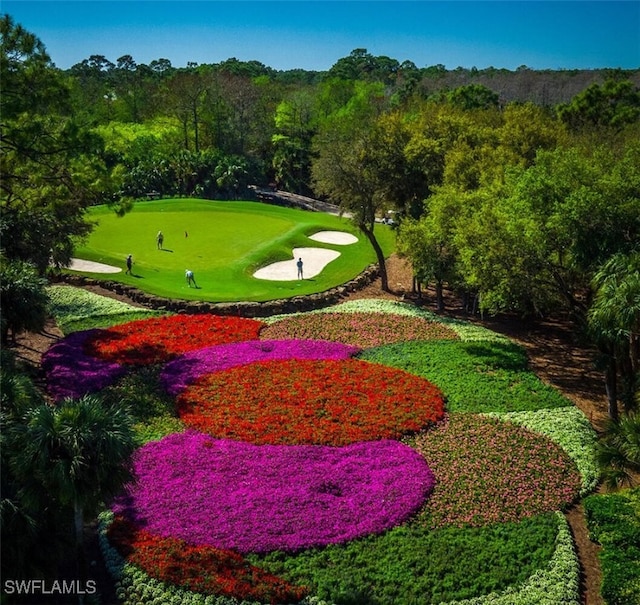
{"points": [[553, 354]]}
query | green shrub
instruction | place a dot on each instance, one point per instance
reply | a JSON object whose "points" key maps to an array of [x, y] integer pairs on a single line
{"points": [[475, 376], [23, 298], [152, 409], [411, 564], [614, 522]]}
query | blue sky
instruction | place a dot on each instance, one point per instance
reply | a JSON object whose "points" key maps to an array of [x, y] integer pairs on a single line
{"points": [[287, 34]]}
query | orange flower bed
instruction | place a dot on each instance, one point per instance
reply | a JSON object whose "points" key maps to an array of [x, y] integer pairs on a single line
{"points": [[310, 402]]}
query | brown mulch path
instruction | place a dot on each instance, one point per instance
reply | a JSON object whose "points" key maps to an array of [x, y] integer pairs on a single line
{"points": [[554, 356]]}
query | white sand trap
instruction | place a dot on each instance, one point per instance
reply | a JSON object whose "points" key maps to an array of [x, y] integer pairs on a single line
{"points": [[334, 237], [314, 261], [77, 264]]}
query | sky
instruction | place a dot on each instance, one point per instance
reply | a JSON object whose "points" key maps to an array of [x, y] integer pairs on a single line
{"points": [[290, 34]]}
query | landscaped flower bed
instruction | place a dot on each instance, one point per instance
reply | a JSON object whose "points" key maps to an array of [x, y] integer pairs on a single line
{"points": [[460, 510], [160, 339], [306, 401], [71, 372], [249, 498], [178, 562], [366, 329]]}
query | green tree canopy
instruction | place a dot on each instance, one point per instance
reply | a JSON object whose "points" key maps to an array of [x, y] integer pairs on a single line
{"points": [[614, 103], [51, 168]]}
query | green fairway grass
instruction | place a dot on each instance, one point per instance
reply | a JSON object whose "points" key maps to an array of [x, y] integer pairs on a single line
{"points": [[223, 243]]}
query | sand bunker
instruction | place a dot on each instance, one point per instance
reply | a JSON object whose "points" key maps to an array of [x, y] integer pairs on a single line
{"points": [[334, 237], [314, 261], [77, 264]]}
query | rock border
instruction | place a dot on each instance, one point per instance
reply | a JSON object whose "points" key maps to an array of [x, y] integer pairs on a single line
{"points": [[295, 304]]}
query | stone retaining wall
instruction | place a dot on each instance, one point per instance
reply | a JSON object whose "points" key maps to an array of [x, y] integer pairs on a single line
{"points": [[295, 304]]}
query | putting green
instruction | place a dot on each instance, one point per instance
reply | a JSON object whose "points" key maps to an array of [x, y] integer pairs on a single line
{"points": [[223, 243]]}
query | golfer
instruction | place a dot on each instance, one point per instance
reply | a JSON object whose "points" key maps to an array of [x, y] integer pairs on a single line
{"points": [[129, 264], [299, 264], [190, 279], [159, 240]]}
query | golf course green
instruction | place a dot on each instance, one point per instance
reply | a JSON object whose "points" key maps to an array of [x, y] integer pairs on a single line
{"points": [[223, 243]]}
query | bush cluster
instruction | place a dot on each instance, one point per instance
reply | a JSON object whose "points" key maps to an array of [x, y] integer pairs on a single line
{"points": [[613, 521]]}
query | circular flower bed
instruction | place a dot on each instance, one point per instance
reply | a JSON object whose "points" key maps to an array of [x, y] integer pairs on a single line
{"points": [[305, 401], [160, 339], [470, 454], [249, 498], [364, 329]]}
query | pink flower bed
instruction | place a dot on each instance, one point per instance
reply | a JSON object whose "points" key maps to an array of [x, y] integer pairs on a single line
{"points": [[362, 329], [249, 498], [181, 372], [490, 471]]}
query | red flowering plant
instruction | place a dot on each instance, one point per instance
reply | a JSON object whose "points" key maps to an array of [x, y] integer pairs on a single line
{"points": [[177, 562], [310, 401], [161, 339]]}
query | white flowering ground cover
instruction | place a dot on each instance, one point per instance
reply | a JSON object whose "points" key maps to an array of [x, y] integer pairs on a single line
{"points": [[71, 306], [553, 583]]}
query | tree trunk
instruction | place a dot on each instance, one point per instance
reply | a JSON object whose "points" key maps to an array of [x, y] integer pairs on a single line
{"points": [[611, 386], [78, 522], [439, 297], [379, 255]]}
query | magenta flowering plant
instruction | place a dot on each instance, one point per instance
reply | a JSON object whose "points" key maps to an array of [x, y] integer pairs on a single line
{"points": [[71, 372], [184, 370], [259, 498]]}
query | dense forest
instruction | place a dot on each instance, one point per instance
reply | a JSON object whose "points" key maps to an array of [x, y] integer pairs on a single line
{"points": [[520, 190]]}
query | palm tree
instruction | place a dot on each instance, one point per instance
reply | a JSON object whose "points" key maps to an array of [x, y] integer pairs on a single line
{"points": [[31, 542], [619, 451], [79, 453], [614, 323]]}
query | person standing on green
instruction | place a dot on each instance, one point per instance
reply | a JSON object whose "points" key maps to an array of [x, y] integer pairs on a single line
{"points": [[129, 264], [159, 240], [190, 278]]}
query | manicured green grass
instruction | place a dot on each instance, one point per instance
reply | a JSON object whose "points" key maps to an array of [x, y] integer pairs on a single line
{"points": [[223, 243]]}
